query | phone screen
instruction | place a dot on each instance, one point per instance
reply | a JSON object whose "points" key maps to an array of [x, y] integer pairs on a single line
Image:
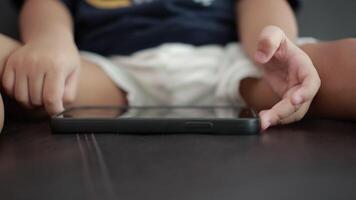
{"points": [[158, 112]]}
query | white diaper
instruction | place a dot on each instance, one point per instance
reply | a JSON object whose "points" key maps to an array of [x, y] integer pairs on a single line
{"points": [[181, 74]]}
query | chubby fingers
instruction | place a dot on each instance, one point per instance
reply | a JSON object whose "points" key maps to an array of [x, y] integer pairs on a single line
{"points": [[8, 80], [268, 44], [310, 83], [15, 81], [309, 88], [279, 112], [71, 87], [21, 92], [35, 88], [297, 115], [53, 90]]}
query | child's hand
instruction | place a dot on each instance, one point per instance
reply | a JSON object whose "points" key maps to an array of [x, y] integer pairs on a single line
{"points": [[290, 73], [43, 73]]}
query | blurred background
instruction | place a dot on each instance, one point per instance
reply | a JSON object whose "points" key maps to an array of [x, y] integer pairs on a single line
{"points": [[323, 19]]}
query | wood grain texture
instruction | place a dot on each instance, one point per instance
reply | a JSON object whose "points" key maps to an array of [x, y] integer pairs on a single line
{"points": [[314, 159]]}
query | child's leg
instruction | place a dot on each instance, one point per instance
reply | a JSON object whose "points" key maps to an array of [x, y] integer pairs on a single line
{"points": [[336, 64], [95, 87]]}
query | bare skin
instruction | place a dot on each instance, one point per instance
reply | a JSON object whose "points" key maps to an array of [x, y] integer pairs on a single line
{"points": [[89, 91], [334, 61], [47, 71], [268, 30], [336, 64]]}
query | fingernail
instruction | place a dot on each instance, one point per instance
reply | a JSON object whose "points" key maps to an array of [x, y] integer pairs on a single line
{"points": [[266, 126], [260, 56]]}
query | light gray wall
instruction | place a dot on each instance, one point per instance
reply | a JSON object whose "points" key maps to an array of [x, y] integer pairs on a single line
{"points": [[328, 19], [324, 19]]}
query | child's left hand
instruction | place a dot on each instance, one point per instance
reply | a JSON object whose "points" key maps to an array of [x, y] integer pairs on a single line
{"points": [[290, 73]]}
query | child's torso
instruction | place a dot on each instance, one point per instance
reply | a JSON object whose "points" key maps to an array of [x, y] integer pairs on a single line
{"points": [[112, 27]]}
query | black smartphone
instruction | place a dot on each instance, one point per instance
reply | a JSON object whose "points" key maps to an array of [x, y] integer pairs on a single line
{"points": [[157, 120]]}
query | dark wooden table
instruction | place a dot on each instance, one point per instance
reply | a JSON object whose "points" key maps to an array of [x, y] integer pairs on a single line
{"points": [[314, 159]]}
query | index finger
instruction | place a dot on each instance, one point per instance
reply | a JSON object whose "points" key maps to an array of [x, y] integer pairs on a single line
{"points": [[278, 112], [53, 91]]}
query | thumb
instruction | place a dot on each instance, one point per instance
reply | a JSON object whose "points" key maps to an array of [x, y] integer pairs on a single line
{"points": [[268, 44]]}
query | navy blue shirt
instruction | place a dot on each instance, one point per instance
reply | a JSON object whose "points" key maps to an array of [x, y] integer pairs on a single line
{"points": [[113, 27]]}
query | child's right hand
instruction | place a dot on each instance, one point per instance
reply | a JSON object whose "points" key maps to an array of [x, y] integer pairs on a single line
{"points": [[43, 73]]}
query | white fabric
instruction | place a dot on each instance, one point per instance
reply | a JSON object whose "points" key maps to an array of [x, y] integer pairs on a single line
{"points": [[181, 74]]}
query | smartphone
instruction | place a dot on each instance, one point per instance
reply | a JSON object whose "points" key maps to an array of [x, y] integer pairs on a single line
{"points": [[157, 120]]}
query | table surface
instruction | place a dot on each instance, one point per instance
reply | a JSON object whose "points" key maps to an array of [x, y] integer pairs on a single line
{"points": [[313, 159]]}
